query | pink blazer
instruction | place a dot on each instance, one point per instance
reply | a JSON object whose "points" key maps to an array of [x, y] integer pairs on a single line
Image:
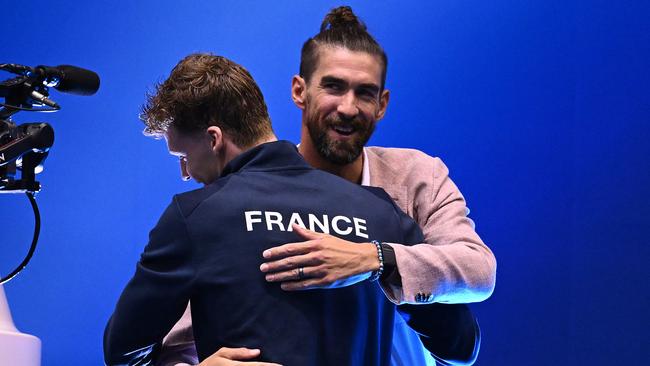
{"points": [[454, 265]]}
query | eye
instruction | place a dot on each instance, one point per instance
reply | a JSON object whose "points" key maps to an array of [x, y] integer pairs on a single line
{"points": [[366, 95], [333, 86], [183, 159]]}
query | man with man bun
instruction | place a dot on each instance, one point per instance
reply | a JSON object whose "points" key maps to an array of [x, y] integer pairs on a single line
{"points": [[341, 91]]}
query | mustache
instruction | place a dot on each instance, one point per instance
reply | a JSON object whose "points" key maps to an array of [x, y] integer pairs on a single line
{"points": [[335, 121]]}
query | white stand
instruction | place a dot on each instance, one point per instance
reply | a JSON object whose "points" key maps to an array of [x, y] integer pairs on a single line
{"points": [[16, 348]]}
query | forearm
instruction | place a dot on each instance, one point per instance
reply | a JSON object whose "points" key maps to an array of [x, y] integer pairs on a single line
{"points": [[458, 273], [453, 265]]}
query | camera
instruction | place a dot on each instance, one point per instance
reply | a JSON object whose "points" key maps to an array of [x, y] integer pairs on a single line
{"points": [[24, 147]]}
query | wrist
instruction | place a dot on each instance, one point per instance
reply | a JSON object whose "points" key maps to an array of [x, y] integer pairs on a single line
{"points": [[371, 259], [376, 274]]}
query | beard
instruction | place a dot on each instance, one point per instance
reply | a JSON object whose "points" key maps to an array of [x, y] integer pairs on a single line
{"points": [[339, 152]]}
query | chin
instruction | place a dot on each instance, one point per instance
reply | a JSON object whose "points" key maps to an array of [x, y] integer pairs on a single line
{"points": [[340, 156]]}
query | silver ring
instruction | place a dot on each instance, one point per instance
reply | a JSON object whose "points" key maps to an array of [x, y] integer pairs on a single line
{"points": [[301, 273]]}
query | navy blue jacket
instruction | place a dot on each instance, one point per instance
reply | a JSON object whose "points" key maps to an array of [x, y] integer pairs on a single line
{"points": [[207, 248]]}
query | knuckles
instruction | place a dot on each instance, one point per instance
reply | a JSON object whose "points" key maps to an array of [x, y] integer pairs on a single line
{"points": [[320, 258], [287, 263]]}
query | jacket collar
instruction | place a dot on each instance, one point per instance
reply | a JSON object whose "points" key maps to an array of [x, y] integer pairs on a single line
{"points": [[271, 155]]}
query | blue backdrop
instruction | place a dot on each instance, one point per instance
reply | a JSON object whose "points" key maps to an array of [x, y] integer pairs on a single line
{"points": [[539, 108]]}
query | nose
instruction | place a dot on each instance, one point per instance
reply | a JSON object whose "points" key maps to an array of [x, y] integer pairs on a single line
{"points": [[184, 174], [347, 107]]}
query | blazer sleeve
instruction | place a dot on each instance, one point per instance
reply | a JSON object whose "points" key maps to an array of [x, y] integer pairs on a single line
{"points": [[155, 297], [452, 265]]}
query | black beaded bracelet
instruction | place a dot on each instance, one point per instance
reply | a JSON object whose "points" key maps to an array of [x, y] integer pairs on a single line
{"points": [[380, 254]]}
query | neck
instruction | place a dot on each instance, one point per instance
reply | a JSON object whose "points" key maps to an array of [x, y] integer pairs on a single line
{"points": [[232, 150], [351, 172]]}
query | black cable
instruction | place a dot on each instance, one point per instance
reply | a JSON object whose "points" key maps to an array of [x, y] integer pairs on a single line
{"points": [[32, 248]]}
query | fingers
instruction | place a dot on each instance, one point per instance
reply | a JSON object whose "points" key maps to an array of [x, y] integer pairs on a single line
{"points": [[289, 263], [291, 275], [297, 247], [231, 356], [294, 274], [303, 285], [287, 250], [237, 353], [306, 233]]}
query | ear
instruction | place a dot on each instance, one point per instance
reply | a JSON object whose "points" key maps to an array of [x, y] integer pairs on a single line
{"points": [[216, 138], [298, 91], [383, 104]]}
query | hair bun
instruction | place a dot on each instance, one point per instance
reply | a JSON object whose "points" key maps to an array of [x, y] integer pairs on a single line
{"points": [[341, 17]]}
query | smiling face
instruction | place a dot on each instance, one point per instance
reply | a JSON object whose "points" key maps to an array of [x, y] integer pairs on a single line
{"points": [[341, 103]]}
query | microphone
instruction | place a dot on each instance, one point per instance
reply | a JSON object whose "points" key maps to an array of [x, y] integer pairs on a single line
{"points": [[69, 79]]}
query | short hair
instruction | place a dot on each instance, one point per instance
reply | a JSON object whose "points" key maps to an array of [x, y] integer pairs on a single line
{"points": [[340, 28], [206, 90]]}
